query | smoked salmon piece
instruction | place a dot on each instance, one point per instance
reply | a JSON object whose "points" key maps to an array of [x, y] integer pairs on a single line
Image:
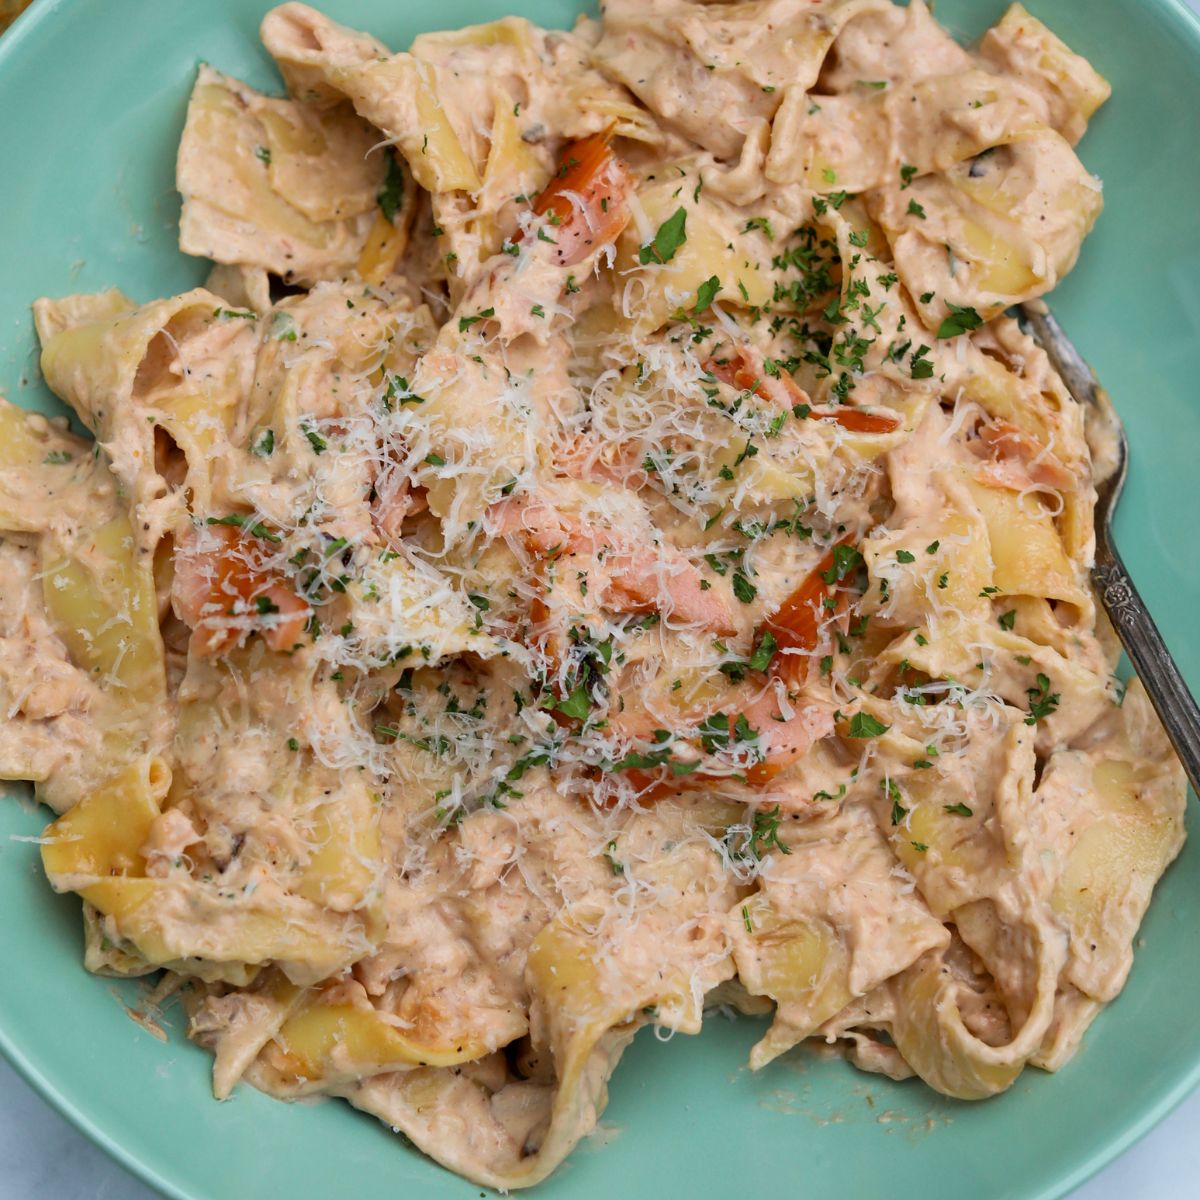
{"points": [[621, 575], [744, 370], [1018, 461], [223, 593], [586, 204]]}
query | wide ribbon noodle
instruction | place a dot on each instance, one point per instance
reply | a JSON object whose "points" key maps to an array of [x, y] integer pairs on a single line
{"points": [[595, 547]]}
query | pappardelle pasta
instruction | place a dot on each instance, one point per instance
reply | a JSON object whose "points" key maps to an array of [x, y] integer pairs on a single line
{"points": [[596, 548]]}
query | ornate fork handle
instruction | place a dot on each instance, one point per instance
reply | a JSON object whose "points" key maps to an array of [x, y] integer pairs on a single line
{"points": [[1151, 660]]}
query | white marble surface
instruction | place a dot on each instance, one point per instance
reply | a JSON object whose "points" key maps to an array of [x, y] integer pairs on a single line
{"points": [[41, 1156]]}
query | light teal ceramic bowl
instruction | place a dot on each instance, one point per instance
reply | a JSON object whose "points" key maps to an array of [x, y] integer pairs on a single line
{"points": [[92, 96]]}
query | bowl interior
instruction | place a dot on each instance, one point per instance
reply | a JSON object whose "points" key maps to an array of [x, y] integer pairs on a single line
{"points": [[92, 109]]}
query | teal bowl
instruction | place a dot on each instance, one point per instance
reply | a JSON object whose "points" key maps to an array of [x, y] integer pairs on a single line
{"points": [[92, 98]]}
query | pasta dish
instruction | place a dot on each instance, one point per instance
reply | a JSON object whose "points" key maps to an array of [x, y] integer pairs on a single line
{"points": [[596, 549]]}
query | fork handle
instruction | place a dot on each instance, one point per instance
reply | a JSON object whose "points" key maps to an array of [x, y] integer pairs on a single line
{"points": [[1176, 709]]}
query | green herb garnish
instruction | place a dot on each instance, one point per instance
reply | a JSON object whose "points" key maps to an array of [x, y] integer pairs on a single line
{"points": [[672, 234], [863, 725], [390, 197], [960, 320], [1042, 702]]}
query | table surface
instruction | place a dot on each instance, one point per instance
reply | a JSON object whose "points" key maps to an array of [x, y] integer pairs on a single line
{"points": [[42, 1156]]}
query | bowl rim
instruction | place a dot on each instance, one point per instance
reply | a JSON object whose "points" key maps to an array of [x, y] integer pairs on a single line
{"points": [[30, 23]]}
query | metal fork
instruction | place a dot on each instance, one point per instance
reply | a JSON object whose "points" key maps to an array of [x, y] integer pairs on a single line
{"points": [[1176, 708]]}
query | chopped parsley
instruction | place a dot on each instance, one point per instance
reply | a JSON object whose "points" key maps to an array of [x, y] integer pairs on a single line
{"points": [[390, 197], [714, 732], [961, 320], [610, 853], [922, 367], [672, 234], [845, 560], [238, 521], [743, 589], [764, 833], [706, 293], [577, 705], [283, 327], [863, 725], [1042, 702], [764, 651], [315, 440], [823, 795], [465, 323], [893, 793], [748, 451], [635, 760], [760, 223]]}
